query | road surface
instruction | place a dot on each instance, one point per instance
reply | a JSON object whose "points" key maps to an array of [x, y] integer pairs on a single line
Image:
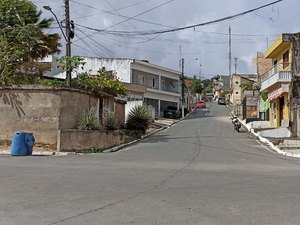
{"points": [[199, 171]]}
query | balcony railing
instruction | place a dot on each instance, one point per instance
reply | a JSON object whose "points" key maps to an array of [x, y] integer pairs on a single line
{"points": [[281, 72]]}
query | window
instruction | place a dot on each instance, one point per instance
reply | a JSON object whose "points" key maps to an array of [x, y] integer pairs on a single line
{"points": [[275, 65], [285, 59], [236, 93], [236, 82], [141, 79], [153, 83]]}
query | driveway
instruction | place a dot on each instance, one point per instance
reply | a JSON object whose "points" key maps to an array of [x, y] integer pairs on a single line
{"points": [[199, 171]]}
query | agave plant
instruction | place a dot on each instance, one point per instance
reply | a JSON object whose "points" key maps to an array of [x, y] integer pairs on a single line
{"points": [[139, 119], [88, 121], [110, 122]]}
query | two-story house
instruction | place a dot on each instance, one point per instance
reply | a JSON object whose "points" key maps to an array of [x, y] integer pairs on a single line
{"points": [[238, 84], [163, 87], [276, 82]]}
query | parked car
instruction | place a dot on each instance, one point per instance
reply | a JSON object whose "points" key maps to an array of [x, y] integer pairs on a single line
{"points": [[208, 97], [172, 112], [200, 104], [221, 101]]}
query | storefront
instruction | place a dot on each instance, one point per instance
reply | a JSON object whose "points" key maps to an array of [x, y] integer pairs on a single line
{"points": [[279, 109]]}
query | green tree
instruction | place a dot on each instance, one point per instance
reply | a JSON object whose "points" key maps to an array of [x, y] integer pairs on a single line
{"points": [[196, 86], [99, 82], [22, 36], [206, 82]]}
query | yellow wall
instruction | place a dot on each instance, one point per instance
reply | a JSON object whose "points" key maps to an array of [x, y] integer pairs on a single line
{"points": [[275, 102], [279, 57], [286, 109], [275, 52]]}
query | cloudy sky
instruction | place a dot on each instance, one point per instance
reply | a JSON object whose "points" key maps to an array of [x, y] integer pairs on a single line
{"points": [[204, 48]]}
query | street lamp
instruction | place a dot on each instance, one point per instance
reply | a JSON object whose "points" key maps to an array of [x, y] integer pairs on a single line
{"points": [[47, 7], [67, 37], [192, 60]]}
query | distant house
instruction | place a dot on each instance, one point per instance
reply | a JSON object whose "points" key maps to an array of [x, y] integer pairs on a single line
{"points": [[221, 84], [239, 83], [263, 65], [225, 83], [162, 85]]}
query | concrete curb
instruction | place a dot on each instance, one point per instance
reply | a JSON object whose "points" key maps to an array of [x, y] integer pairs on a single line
{"points": [[265, 141], [110, 150], [118, 148], [46, 153]]}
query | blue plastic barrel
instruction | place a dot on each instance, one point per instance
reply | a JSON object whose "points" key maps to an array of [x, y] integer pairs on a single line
{"points": [[22, 144]]}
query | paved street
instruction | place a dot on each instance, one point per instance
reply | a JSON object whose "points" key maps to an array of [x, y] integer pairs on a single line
{"points": [[199, 171]]}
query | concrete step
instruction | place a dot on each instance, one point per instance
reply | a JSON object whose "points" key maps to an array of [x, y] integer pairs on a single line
{"points": [[291, 142], [289, 147]]}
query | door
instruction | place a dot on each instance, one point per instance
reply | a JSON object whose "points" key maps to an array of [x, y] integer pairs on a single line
{"points": [[281, 107]]}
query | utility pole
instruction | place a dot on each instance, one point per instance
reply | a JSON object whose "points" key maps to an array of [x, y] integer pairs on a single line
{"points": [[182, 88], [235, 65], [200, 65], [294, 39], [179, 57], [68, 44], [229, 55]]}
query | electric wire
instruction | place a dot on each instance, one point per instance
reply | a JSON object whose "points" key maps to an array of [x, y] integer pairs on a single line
{"points": [[126, 17], [139, 14], [154, 32], [96, 43]]}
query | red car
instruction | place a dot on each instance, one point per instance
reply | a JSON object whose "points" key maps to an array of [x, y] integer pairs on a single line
{"points": [[200, 104]]}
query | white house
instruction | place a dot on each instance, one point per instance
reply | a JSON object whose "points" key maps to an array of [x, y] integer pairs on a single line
{"points": [[162, 84]]}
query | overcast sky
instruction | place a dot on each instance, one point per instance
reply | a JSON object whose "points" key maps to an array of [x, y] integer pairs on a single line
{"points": [[208, 44]]}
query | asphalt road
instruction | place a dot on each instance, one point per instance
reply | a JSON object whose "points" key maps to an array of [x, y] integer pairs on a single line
{"points": [[199, 171]]}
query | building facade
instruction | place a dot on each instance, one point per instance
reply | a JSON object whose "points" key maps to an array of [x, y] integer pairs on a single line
{"points": [[238, 84], [163, 87], [276, 82]]}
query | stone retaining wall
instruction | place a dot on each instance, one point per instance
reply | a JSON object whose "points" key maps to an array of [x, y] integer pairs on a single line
{"points": [[42, 111], [84, 141]]}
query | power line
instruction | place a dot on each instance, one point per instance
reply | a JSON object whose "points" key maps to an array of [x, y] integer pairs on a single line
{"points": [[139, 14], [154, 32], [97, 44], [127, 17]]}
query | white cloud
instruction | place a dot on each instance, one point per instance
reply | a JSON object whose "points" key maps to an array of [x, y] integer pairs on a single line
{"points": [[164, 50]]}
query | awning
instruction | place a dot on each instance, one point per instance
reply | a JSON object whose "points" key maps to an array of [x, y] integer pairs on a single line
{"points": [[278, 92]]}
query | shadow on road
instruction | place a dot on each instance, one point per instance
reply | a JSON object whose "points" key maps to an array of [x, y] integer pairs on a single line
{"points": [[168, 138]]}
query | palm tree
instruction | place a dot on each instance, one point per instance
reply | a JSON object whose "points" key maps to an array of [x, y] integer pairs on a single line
{"points": [[23, 30]]}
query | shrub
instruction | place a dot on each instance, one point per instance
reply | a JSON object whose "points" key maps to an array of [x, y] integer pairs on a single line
{"points": [[88, 121], [110, 122], [139, 119], [99, 82]]}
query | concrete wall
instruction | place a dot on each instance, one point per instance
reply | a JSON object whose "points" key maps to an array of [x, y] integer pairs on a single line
{"points": [[82, 141], [93, 64], [120, 112], [42, 111], [263, 65], [236, 95], [130, 105]]}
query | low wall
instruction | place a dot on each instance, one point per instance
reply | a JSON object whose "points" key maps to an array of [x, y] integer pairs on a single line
{"points": [[42, 111], [82, 141]]}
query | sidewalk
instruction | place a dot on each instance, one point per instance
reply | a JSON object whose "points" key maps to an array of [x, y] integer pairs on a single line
{"points": [[275, 144], [293, 152], [156, 126]]}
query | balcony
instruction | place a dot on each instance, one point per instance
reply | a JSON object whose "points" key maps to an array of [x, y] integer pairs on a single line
{"points": [[280, 73]]}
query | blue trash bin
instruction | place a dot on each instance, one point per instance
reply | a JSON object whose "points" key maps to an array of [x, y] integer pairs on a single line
{"points": [[22, 144]]}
